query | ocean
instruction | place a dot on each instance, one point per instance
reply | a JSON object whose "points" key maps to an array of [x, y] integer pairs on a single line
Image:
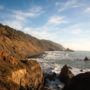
{"points": [[53, 61]]}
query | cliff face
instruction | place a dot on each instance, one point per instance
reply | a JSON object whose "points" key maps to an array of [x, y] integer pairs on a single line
{"points": [[20, 45], [19, 74]]}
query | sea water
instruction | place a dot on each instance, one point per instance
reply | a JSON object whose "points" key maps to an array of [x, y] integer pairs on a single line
{"points": [[53, 61]]}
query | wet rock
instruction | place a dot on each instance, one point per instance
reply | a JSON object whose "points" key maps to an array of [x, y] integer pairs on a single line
{"points": [[81, 70], [65, 75], [51, 82], [69, 67], [86, 59], [50, 77], [79, 82]]}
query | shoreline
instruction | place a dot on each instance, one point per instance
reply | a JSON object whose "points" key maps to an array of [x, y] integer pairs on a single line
{"points": [[51, 68]]}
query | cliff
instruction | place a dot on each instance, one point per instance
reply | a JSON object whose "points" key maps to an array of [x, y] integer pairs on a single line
{"points": [[21, 45], [19, 74]]}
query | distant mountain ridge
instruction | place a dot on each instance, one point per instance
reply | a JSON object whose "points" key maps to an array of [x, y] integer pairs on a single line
{"points": [[21, 45]]}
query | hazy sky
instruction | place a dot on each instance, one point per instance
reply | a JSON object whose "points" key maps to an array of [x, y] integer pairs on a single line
{"points": [[64, 21]]}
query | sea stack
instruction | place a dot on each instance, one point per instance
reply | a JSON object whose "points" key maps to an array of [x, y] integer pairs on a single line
{"points": [[86, 59], [65, 75]]}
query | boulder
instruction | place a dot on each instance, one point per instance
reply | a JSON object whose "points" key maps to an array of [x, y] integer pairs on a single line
{"points": [[50, 77], [65, 75], [86, 59], [81, 70], [79, 82]]}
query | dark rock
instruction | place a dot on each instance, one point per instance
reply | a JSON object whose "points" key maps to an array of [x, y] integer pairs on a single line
{"points": [[69, 67], [65, 75], [86, 59], [81, 70], [22, 88], [69, 50], [79, 82], [50, 77]]}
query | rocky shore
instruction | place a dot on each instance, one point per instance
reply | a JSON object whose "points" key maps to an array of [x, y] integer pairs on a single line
{"points": [[27, 75], [66, 80], [78, 82]]}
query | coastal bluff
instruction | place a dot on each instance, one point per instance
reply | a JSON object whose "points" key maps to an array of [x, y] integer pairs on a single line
{"points": [[21, 45], [19, 74]]}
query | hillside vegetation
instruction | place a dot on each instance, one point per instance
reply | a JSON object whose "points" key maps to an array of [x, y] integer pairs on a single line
{"points": [[21, 45]]}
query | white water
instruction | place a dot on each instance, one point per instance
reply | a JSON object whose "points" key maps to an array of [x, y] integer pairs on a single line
{"points": [[53, 61]]}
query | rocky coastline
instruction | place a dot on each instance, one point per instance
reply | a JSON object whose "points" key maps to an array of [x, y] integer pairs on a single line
{"points": [[28, 75], [67, 80]]}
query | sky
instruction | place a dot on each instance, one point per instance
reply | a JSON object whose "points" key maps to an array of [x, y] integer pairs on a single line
{"points": [[66, 22]]}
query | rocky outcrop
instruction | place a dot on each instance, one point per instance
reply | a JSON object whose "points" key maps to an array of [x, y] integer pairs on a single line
{"points": [[86, 59], [19, 75], [30, 76], [69, 50], [65, 75], [80, 82]]}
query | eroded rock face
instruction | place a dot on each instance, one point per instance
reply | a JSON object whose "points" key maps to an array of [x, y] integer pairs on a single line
{"points": [[30, 76], [80, 82], [65, 75], [19, 75], [4, 57]]}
